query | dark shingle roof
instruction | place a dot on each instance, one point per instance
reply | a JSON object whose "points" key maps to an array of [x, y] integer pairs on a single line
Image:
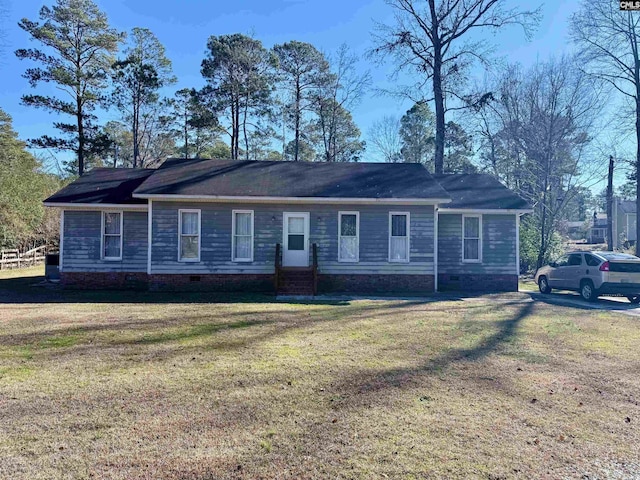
{"points": [[292, 179], [478, 191], [628, 206], [103, 186], [288, 179]]}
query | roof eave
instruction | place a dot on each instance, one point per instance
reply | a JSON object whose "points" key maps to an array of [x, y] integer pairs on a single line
{"points": [[293, 200], [97, 206], [519, 211]]}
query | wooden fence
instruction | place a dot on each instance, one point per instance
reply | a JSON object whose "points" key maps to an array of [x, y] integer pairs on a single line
{"points": [[14, 259]]}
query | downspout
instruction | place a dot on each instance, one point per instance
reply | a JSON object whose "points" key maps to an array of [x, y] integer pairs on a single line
{"points": [[61, 240], [435, 248], [149, 236]]}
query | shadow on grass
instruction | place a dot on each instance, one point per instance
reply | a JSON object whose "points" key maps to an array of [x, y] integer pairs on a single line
{"points": [[573, 300], [402, 377], [193, 332], [23, 290]]}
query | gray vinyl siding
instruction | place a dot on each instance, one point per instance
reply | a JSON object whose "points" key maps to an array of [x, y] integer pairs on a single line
{"points": [[215, 245], [82, 238], [498, 245]]}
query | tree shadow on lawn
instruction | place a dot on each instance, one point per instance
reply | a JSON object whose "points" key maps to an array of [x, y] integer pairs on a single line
{"points": [[573, 300], [375, 382], [23, 290], [169, 333]]}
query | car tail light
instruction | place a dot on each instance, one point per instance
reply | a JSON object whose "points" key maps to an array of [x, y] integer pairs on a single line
{"points": [[604, 267]]}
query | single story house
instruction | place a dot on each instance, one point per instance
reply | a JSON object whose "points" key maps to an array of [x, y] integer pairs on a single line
{"points": [[292, 227], [597, 232]]}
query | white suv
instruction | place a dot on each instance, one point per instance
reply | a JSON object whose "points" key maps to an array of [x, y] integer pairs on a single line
{"points": [[593, 274]]}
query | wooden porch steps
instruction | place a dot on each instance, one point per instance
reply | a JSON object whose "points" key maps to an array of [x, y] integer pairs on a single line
{"points": [[296, 281]]}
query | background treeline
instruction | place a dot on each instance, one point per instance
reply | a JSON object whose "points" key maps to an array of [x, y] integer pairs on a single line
{"points": [[24, 222], [537, 129]]}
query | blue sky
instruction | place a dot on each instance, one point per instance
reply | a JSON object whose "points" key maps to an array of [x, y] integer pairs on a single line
{"points": [[184, 26]]}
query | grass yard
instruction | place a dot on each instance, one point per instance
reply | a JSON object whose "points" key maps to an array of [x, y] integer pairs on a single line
{"points": [[139, 385]]}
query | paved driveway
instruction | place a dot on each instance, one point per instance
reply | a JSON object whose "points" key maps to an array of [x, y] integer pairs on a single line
{"points": [[572, 299]]}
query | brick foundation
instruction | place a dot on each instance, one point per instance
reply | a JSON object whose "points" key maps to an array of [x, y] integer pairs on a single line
{"points": [[477, 283], [376, 284], [212, 282], [104, 280]]}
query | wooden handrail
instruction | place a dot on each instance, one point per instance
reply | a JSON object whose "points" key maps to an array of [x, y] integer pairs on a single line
{"points": [[314, 249]]}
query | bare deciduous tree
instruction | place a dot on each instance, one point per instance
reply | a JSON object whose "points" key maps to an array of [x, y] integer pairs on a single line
{"points": [[384, 136], [339, 135], [538, 132], [610, 49], [434, 40]]}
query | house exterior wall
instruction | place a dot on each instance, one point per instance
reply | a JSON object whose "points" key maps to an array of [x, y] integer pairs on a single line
{"points": [[624, 223], [496, 272], [625, 227], [82, 241], [216, 225], [373, 273]]}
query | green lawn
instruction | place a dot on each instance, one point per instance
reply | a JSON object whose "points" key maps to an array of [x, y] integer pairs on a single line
{"points": [[36, 271], [193, 386]]}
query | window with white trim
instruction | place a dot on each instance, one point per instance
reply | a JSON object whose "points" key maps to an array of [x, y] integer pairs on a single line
{"points": [[242, 236], [471, 238], [189, 235], [399, 237], [112, 235], [348, 236]]}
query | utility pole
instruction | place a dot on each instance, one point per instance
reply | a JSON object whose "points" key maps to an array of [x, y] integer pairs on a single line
{"points": [[610, 205]]}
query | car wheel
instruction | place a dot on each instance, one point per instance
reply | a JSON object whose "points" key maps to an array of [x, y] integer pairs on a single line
{"points": [[588, 292], [634, 298], [543, 285]]}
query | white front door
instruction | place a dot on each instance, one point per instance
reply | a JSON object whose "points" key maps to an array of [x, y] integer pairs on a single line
{"points": [[296, 239]]}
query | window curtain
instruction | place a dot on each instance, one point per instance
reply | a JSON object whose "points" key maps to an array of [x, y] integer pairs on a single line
{"points": [[243, 236], [348, 237], [189, 240], [112, 235], [189, 223], [112, 223], [471, 238]]}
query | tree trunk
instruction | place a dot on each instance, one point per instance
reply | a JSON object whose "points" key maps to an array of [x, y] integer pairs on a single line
{"points": [[438, 159], [234, 129], [610, 206], [186, 132], [237, 138], [543, 234], [136, 144], [244, 130], [543, 223], [80, 140], [297, 140]]}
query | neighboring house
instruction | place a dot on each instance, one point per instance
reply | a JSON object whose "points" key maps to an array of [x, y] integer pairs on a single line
{"points": [[575, 230], [296, 227], [597, 232], [624, 222]]}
